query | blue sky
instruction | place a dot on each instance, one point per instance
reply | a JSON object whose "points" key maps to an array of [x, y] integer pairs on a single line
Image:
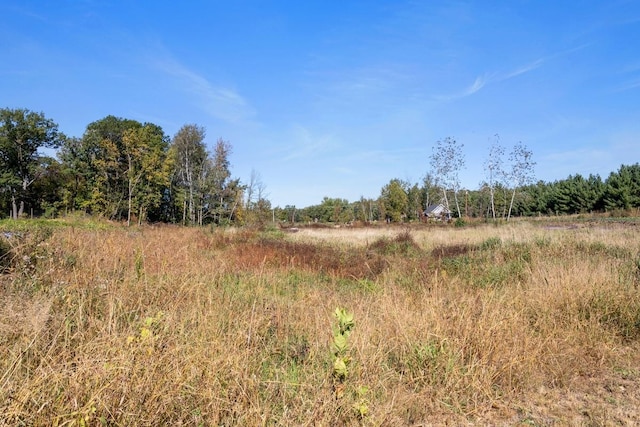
{"points": [[328, 98]]}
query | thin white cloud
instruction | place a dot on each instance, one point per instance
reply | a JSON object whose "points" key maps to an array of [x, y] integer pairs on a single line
{"points": [[575, 156], [486, 79], [220, 102], [306, 145], [585, 161], [477, 85], [634, 84], [523, 70], [28, 13], [345, 171]]}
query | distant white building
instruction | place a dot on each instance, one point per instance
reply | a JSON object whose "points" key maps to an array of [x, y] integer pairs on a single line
{"points": [[438, 211]]}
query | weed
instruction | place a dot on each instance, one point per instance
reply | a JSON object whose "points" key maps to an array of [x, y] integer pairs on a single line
{"points": [[188, 326], [6, 253], [339, 347], [341, 364], [361, 405], [402, 244], [139, 264], [490, 243]]}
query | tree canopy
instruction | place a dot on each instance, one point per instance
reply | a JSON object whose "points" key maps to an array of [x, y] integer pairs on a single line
{"points": [[22, 134], [125, 170]]}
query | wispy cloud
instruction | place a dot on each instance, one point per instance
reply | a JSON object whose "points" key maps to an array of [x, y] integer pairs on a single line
{"points": [[477, 85], [220, 102], [306, 145], [587, 160], [632, 76], [629, 86], [486, 79], [491, 78], [28, 13], [344, 170], [523, 70], [358, 88]]}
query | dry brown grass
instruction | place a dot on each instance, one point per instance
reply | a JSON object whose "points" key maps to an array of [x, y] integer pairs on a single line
{"points": [[516, 324]]}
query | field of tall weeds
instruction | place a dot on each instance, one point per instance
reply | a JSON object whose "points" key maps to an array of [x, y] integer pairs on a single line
{"points": [[523, 323]]}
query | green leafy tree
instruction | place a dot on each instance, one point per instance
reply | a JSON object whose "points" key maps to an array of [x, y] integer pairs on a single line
{"points": [[365, 209], [49, 196], [430, 191], [394, 201], [414, 203], [145, 151], [120, 167], [22, 134], [190, 157], [334, 210], [76, 164], [100, 165], [221, 195]]}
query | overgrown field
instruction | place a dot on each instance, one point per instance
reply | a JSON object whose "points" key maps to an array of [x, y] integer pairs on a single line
{"points": [[515, 324]]}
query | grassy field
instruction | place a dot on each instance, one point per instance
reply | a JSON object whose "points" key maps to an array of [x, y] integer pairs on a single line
{"points": [[526, 323]]}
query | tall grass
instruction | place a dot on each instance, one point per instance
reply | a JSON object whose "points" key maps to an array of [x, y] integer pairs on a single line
{"points": [[178, 326]]}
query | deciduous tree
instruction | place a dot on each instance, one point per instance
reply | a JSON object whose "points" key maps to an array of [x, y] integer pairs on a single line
{"points": [[447, 160], [190, 158], [148, 170], [394, 200], [494, 171], [22, 134], [522, 170]]}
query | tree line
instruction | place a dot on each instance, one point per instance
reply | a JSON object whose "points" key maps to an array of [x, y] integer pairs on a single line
{"points": [[402, 201], [125, 170], [119, 169], [508, 189]]}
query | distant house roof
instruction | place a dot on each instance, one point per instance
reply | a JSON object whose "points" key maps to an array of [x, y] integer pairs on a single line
{"points": [[437, 210]]}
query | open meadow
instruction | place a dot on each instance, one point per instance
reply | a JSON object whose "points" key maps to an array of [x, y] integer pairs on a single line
{"points": [[529, 323]]}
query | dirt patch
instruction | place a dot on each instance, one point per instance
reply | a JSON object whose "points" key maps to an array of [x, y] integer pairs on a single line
{"points": [[602, 400], [353, 263], [561, 227], [452, 251]]}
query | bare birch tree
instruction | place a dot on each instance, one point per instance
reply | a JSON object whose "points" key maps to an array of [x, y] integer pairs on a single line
{"points": [[522, 170], [257, 205], [494, 170], [447, 160], [190, 155]]}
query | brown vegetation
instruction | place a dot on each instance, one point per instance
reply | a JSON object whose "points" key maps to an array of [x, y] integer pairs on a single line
{"points": [[503, 325]]}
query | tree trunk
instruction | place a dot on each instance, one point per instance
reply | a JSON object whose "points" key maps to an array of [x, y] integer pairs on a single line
{"points": [[129, 211], [25, 185], [513, 196], [446, 200], [14, 207], [455, 197], [493, 206], [129, 204]]}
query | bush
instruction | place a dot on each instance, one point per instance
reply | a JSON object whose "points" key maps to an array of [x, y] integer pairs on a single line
{"points": [[6, 254]]}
